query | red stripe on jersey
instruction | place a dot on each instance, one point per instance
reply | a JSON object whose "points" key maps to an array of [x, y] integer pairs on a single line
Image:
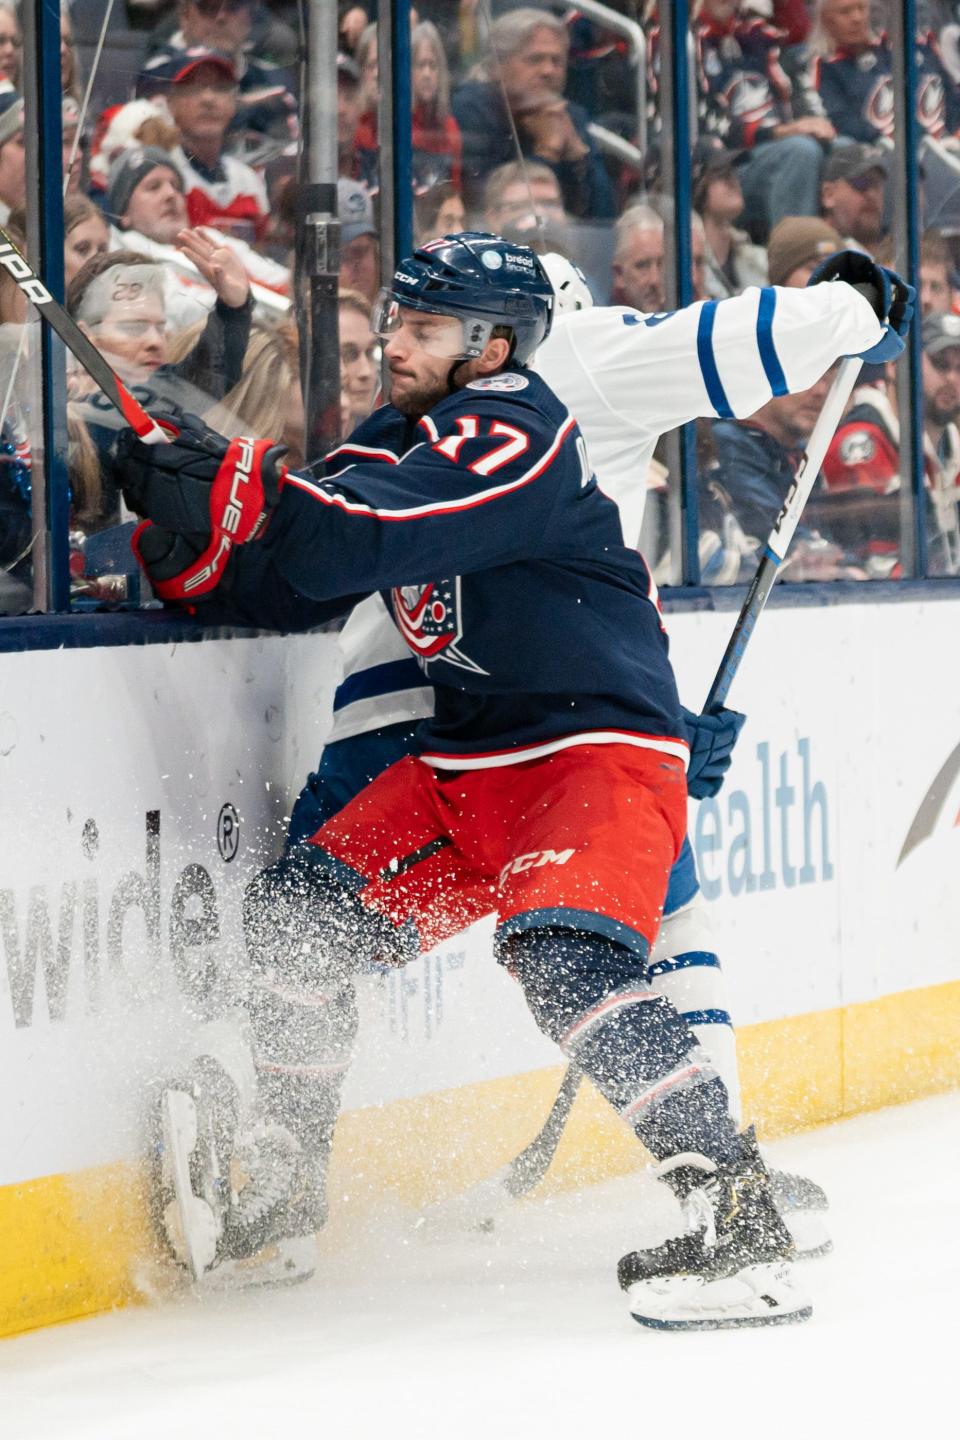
{"points": [[444, 507]]}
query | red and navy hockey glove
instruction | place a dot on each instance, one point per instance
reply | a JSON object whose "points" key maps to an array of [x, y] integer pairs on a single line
{"points": [[175, 565], [212, 492], [712, 737]]}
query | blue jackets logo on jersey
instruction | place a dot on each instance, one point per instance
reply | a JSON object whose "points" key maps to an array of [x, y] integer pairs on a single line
{"points": [[428, 618]]}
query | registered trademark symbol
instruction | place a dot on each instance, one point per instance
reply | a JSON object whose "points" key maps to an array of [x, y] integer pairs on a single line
{"points": [[228, 832]]}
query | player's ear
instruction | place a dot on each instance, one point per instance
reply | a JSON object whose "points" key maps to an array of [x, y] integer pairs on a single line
{"points": [[495, 355]]}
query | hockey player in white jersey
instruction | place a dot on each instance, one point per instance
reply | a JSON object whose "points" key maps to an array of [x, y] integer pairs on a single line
{"points": [[627, 377]]}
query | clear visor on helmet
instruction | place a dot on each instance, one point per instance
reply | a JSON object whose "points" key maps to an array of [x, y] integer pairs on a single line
{"points": [[447, 336]]}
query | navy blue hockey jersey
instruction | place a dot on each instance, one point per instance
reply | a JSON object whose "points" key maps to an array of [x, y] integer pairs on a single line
{"points": [[856, 90], [502, 564]]}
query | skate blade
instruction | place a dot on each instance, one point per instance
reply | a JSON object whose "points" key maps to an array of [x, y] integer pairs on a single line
{"points": [[757, 1295], [286, 1262], [190, 1221]]}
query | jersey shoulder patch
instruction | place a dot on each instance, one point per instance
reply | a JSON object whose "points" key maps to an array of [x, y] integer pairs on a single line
{"points": [[502, 384]]}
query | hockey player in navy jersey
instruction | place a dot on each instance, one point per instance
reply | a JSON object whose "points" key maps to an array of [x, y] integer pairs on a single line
{"points": [[477, 470]]}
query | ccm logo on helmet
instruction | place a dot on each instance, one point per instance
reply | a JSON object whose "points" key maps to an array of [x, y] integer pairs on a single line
{"points": [[534, 861], [24, 276]]}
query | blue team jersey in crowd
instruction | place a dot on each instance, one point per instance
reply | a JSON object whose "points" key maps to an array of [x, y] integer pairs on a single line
{"points": [[502, 564], [856, 89]]}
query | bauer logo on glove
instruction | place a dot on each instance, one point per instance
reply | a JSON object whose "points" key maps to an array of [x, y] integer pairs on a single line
{"points": [[212, 492]]}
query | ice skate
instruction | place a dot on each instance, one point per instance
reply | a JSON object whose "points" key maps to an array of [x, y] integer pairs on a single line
{"points": [[234, 1207], [731, 1267]]}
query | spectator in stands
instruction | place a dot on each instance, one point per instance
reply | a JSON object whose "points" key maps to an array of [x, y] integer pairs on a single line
{"points": [[747, 100], [437, 144], [521, 88], [70, 81], [266, 100], [937, 290], [521, 195], [851, 73], [796, 247], [638, 260], [360, 356], [359, 248], [201, 93], [758, 459], [732, 261], [862, 469], [13, 182], [85, 234], [353, 21], [11, 44], [851, 196], [118, 300], [267, 399], [138, 122], [368, 68], [348, 117], [146, 202], [438, 211]]}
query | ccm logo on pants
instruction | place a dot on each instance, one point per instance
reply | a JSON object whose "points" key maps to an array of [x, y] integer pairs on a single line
{"points": [[533, 861]]}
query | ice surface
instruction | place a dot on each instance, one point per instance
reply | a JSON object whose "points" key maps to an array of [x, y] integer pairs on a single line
{"points": [[435, 1330]]}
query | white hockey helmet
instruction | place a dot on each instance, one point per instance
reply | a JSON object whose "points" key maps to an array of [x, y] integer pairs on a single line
{"points": [[569, 284]]}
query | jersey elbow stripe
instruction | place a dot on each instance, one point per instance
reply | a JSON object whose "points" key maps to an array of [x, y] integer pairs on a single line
{"points": [[768, 351], [708, 364], [442, 507]]}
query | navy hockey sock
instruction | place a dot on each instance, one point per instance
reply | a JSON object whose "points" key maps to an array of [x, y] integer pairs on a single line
{"points": [[590, 995]]}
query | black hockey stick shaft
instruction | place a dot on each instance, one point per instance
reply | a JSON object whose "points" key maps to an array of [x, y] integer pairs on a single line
{"points": [[83, 349], [527, 1170]]}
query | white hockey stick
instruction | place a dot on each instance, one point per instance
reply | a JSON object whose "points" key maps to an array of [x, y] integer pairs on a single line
{"points": [[525, 1172]]}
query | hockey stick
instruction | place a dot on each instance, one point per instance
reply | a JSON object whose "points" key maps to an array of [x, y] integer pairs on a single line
{"points": [[82, 349], [784, 527], [524, 1173]]}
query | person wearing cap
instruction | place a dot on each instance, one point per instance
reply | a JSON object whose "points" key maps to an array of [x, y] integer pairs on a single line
{"points": [[851, 193], [796, 247], [200, 88], [13, 156], [242, 30], [851, 71], [146, 203], [359, 246], [747, 100], [862, 504], [732, 261]]}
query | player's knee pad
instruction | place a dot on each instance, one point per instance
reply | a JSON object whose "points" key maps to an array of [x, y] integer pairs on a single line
{"points": [[302, 925]]}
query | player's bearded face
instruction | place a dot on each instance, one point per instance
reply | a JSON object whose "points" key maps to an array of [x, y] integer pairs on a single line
{"points": [[420, 352]]}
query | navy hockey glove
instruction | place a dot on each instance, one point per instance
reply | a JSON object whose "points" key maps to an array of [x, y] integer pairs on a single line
{"points": [[712, 737], [180, 568], [202, 484], [890, 295]]}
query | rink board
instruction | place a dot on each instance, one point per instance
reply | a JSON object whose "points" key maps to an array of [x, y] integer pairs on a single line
{"points": [[142, 787]]}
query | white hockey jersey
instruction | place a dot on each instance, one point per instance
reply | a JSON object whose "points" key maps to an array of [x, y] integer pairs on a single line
{"points": [[628, 378]]}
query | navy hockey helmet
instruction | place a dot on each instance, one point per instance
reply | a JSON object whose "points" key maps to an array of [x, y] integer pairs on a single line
{"points": [[479, 279]]}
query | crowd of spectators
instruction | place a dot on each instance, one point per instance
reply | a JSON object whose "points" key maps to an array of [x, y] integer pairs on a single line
{"points": [[180, 163]]}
